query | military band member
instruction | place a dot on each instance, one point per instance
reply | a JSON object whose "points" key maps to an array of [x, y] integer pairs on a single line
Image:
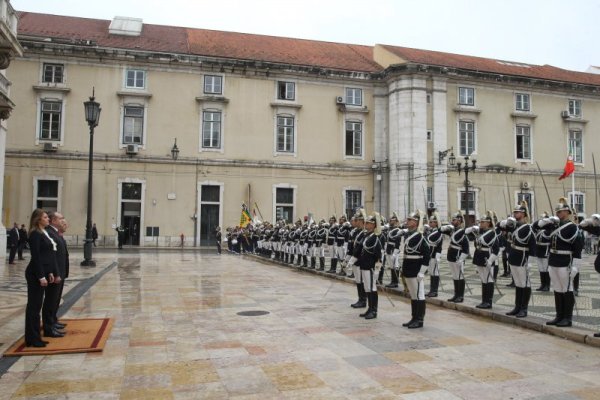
{"points": [[521, 246], [414, 264], [435, 240], [458, 250], [356, 248], [565, 253], [592, 225], [341, 242], [542, 250], [485, 256], [368, 261], [332, 244]]}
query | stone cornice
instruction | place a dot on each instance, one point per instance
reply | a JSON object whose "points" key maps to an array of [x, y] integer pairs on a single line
{"points": [[80, 156]]}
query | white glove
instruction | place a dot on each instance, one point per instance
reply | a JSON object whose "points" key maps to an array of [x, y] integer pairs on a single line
{"points": [[396, 252], [543, 222], [462, 257], [511, 222], [491, 260], [378, 265], [403, 231], [421, 274], [596, 219], [586, 222], [438, 257], [503, 224], [352, 261], [554, 220], [472, 229], [446, 228], [575, 264]]}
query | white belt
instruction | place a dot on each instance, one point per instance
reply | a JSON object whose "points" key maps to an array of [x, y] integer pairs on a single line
{"points": [[565, 252], [456, 247], [543, 244], [486, 249], [520, 248], [412, 257]]}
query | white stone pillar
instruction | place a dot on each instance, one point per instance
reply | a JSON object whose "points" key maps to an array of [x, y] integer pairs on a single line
{"points": [[440, 143]]}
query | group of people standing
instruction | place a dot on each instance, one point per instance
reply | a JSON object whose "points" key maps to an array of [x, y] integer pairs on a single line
{"points": [[364, 248], [45, 275]]}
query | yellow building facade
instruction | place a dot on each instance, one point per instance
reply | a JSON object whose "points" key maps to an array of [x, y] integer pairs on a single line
{"points": [[290, 127]]}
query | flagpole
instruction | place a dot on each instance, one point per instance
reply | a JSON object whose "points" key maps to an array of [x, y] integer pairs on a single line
{"points": [[573, 191]]}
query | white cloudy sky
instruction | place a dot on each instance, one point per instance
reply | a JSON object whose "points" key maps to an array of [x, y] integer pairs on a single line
{"points": [[557, 32]]}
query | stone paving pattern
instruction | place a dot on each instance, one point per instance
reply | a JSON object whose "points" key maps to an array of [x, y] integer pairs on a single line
{"points": [[177, 335]]}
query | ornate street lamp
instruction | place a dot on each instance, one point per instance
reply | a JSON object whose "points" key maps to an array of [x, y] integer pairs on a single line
{"points": [[466, 170], [92, 117], [175, 151]]}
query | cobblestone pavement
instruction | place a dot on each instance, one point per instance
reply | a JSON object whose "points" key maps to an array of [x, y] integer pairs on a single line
{"points": [[196, 326]]}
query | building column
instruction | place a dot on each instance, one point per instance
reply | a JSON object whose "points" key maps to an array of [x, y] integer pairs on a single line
{"points": [[440, 143]]}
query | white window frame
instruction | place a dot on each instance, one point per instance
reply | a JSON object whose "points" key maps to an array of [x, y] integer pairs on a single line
{"points": [[144, 123], [574, 106], [353, 97], [47, 178], [578, 195], [212, 87], [345, 191], [120, 182], [523, 102], [136, 71], [220, 122], [276, 151], [577, 160], [460, 152], [531, 205], [54, 64], [475, 192], [361, 138], [275, 204], [38, 132], [287, 91], [517, 128], [463, 97]]}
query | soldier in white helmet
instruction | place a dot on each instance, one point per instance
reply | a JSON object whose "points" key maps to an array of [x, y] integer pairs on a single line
{"points": [[435, 240], [369, 261], [458, 250], [485, 255]]}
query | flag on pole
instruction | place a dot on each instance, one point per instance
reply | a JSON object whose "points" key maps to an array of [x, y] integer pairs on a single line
{"points": [[569, 168], [245, 218]]}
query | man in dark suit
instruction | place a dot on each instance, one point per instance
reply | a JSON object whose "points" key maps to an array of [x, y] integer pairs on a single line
{"points": [[22, 241], [54, 290], [13, 243]]}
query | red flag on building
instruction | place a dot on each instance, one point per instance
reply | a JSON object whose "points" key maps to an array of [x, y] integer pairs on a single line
{"points": [[569, 168]]}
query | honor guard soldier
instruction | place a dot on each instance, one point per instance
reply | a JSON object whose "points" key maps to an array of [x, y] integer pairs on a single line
{"points": [[392, 250], [566, 245], [414, 264], [354, 232], [356, 248], [304, 245], [521, 246], [341, 242], [331, 244], [542, 250], [435, 240], [485, 255], [592, 226], [369, 261], [312, 244], [383, 239], [321, 241], [458, 250]]}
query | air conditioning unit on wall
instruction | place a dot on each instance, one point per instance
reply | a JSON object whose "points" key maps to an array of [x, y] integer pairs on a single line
{"points": [[525, 185], [339, 100], [132, 149], [565, 114], [50, 146]]}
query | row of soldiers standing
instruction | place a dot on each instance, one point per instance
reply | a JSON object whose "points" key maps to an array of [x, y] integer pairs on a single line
{"points": [[362, 247]]}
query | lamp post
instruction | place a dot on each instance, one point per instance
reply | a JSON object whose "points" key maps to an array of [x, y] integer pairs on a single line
{"points": [[175, 151], [466, 168], [92, 116]]}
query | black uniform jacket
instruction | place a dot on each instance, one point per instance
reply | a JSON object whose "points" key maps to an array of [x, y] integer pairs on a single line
{"points": [[416, 253], [542, 239], [459, 244], [522, 244], [43, 257], [566, 243], [394, 237], [434, 240], [486, 243], [370, 253]]}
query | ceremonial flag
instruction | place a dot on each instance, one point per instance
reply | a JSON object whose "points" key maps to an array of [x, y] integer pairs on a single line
{"points": [[569, 168], [245, 218]]}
